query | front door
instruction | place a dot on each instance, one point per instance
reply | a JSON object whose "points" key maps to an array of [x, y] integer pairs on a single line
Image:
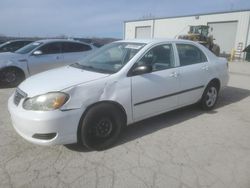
{"points": [[50, 57], [155, 92]]}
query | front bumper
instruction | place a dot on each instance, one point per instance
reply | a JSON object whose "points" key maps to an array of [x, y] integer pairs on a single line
{"points": [[30, 123]]}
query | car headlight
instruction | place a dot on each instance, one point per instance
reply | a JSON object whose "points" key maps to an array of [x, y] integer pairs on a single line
{"points": [[46, 102]]}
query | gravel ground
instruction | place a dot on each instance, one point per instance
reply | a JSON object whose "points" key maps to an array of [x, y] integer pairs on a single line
{"points": [[183, 148]]}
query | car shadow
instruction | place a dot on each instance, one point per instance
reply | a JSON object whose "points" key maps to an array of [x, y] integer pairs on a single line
{"points": [[137, 130]]}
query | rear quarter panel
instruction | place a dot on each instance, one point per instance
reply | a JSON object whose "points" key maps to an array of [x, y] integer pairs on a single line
{"points": [[220, 71], [218, 67]]}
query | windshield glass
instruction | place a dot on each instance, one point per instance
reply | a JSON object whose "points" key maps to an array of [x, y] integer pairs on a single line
{"points": [[4, 44], [110, 58], [28, 48]]}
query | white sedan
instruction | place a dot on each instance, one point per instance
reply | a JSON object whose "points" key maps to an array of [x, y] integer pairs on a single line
{"points": [[121, 83]]}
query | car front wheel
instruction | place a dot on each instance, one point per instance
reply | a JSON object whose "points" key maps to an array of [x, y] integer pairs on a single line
{"points": [[101, 127]]}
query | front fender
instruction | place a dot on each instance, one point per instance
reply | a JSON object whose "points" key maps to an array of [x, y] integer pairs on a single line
{"points": [[85, 95], [22, 65]]}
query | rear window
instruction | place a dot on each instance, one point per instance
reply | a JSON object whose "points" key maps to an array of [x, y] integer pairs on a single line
{"points": [[69, 47], [189, 54]]}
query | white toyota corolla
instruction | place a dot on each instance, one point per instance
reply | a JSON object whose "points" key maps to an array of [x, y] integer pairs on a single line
{"points": [[121, 83]]}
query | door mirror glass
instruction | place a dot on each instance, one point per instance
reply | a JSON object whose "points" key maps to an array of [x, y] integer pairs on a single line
{"points": [[37, 52], [141, 69]]}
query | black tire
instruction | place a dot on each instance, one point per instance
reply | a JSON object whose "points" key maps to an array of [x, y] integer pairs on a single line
{"points": [[101, 126], [210, 96], [11, 77]]}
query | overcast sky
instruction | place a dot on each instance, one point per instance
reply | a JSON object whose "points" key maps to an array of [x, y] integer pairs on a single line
{"points": [[95, 18]]}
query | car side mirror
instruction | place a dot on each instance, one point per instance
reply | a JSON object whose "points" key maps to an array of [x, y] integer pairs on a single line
{"points": [[141, 69], [37, 52]]}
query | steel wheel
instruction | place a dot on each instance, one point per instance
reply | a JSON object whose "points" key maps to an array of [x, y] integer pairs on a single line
{"points": [[101, 126], [99, 131]]}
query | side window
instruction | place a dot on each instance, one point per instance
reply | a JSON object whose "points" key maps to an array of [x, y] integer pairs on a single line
{"points": [[69, 47], [160, 57], [189, 54], [51, 48]]}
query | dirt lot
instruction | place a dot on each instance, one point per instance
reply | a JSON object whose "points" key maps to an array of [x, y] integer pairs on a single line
{"points": [[184, 148]]}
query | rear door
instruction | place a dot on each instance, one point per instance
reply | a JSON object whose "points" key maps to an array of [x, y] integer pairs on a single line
{"points": [[49, 58], [74, 51], [155, 92], [193, 73]]}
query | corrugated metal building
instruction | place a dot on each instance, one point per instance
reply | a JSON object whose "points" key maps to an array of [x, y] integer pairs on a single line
{"points": [[231, 30]]}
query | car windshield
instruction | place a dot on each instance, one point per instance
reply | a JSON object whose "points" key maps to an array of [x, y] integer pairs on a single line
{"points": [[4, 44], [28, 48], [110, 58]]}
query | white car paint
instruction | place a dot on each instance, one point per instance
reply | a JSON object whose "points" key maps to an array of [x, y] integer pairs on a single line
{"points": [[74, 77], [86, 88], [32, 64]]}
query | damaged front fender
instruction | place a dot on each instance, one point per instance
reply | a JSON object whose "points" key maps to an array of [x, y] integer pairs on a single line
{"points": [[85, 95]]}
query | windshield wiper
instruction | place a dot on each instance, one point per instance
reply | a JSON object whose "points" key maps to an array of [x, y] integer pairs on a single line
{"points": [[78, 65], [91, 68]]}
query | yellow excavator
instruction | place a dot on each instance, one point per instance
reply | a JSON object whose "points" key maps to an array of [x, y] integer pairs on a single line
{"points": [[200, 33]]}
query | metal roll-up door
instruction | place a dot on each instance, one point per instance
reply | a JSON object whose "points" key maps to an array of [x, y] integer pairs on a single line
{"points": [[143, 32], [224, 34]]}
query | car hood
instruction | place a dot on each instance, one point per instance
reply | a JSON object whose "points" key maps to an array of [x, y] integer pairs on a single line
{"points": [[57, 80]]}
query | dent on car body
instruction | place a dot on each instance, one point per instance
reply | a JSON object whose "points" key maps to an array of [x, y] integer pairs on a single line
{"points": [[87, 94]]}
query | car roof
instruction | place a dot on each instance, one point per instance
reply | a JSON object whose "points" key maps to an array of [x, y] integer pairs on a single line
{"points": [[20, 40], [154, 40], [59, 40]]}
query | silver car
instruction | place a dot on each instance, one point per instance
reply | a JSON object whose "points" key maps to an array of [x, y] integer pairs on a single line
{"points": [[40, 56]]}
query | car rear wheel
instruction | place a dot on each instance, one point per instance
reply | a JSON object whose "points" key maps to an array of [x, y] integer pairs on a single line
{"points": [[101, 127], [210, 97], [11, 77]]}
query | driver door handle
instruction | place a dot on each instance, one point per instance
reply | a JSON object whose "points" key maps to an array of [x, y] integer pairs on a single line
{"points": [[174, 74], [205, 67]]}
